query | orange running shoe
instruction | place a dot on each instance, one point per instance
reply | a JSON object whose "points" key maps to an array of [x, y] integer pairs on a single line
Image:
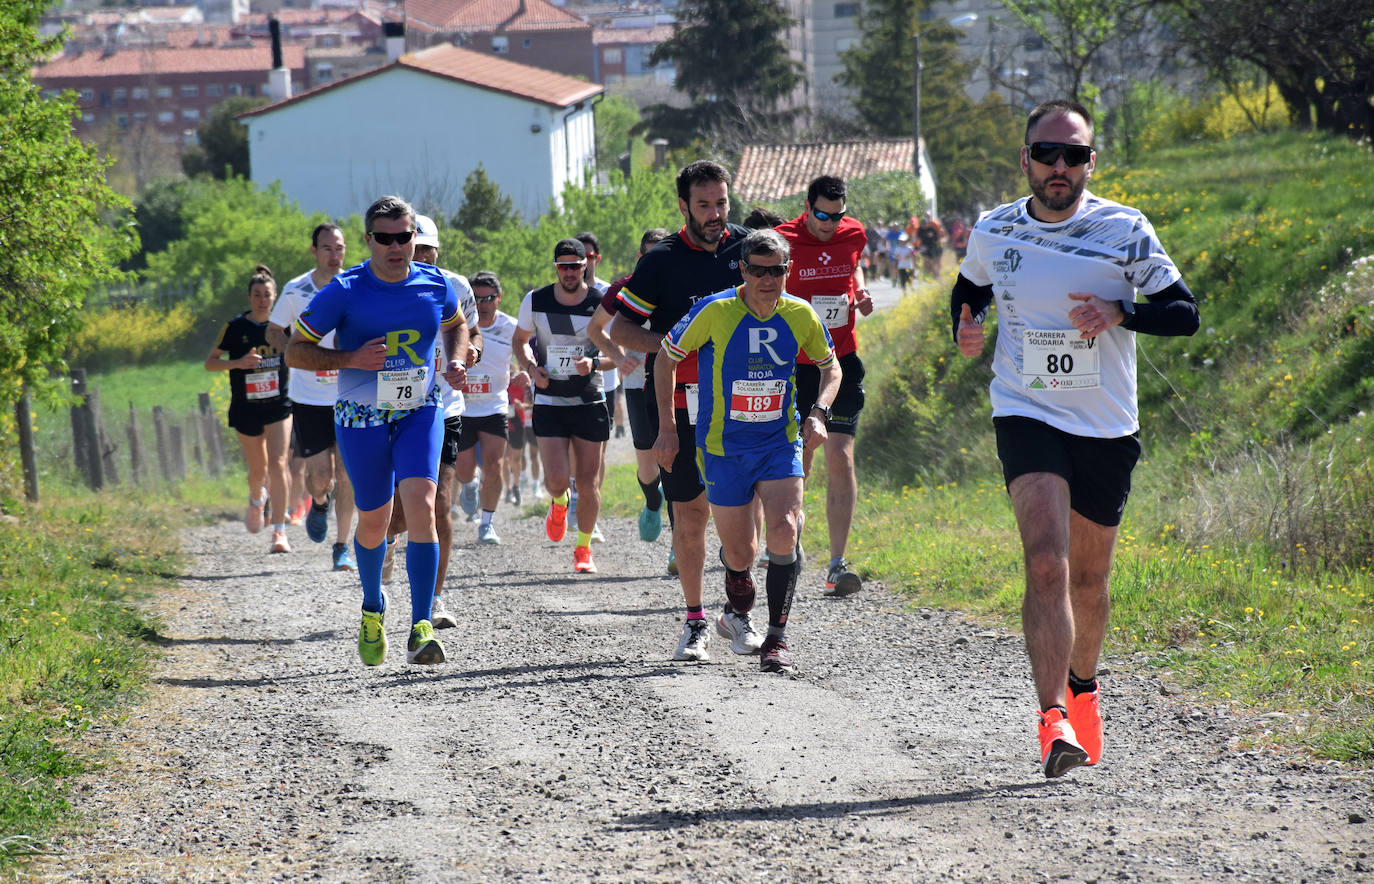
{"points": [[1059, 748], [582, 560], [556, 522], [1085, 717]]}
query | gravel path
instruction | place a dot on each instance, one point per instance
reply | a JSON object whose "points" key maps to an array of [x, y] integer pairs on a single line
{"points": [[560, 743]]}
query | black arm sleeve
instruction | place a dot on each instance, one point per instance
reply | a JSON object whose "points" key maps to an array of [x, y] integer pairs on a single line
{"points": [[1169, 312], [977, 297]]}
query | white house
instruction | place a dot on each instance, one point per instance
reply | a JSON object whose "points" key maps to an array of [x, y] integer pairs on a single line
{"points": [[417, 126]]}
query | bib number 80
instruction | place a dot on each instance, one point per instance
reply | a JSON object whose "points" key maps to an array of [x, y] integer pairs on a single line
{"points": [[1059, 364]]}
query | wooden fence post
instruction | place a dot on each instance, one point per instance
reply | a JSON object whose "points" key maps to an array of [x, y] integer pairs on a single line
{"points": [[164, 456], [214, 439], [178, 452], [85, 439], [104, 447], [137, 469], [23, 417]]}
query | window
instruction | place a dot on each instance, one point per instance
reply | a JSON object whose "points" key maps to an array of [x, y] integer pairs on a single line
{"points": [[88, 118], [140, 116], [843, 44], [214, 90], [122, 121], [846, 10], [235, 89], [1033, 43], [164, 92], [500, 45], [524, 44], [190, 114], [88, 95], [612, 56], [140, 93], [165, 116], [120, 94], [324, 73], [190, 91]]}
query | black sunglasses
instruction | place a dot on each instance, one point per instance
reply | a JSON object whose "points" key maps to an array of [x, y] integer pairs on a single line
{"points": [[1049, 152], [828, 216], [387, 239], [777, 271], [488, 299]]}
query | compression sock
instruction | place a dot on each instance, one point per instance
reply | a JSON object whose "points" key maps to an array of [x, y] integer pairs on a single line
{"points": [[422, 566], [1079, 686], [370, 573], [653, 497], [562, 499], [781, 583], [584, 538], [696, 612], [486, 516]]}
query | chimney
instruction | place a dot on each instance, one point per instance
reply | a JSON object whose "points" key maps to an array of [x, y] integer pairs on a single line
{"points": [[279, 78], [395, 34], [660, 152]]}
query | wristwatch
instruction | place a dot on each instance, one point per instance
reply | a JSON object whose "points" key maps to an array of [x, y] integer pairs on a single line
{"points": [[823, 409]]}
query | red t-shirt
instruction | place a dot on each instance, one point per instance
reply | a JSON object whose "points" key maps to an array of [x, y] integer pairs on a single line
{"points": [[823, 274]]}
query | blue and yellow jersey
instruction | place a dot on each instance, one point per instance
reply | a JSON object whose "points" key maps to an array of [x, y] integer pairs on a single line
{"points": [[746, 368], [357, 307]]}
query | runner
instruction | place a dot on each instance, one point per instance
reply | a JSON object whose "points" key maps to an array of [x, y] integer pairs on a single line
{"points": [[610, 378], [388, 312], [1064, 398], [827, 249], [487, 402], [631, 364], [313, 394], [748, 439], [258, 408], [570, 417], [517, 424], [700, 259]]}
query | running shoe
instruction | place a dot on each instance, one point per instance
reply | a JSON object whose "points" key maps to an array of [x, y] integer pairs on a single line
{"points": [[515, 495], [582, 560], [317, 520], [372, 637], [467, 497], [439, 615], [424, 649], [556, 522], [297, 515], [841, 581], [252, 519], [279, 542], [650, 524], [1085, 717], [774, 656], [597, 536], [389, 558], [343, 558], [696, 637], [738, 628], [1060, 750], [740, 591], [672, 563], [487, 534]]}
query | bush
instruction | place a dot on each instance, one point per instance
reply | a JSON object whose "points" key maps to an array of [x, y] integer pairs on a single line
{"points": [[138, 335]]}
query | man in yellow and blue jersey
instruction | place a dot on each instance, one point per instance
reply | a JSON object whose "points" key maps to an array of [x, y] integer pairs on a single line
{"points": [[749, 437]]}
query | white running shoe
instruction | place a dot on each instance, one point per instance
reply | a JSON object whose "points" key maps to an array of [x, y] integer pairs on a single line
{"points": [[439, 615], [486, 534], [738, 628], [696, 636]]}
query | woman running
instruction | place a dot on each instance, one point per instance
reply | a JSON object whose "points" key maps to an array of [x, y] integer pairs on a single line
{"points": [[258, 407]]}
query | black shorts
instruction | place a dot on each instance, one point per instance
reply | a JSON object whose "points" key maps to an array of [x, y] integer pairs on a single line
{"points": [[637, 402], [313, 429], [610, 404], [849, 402], [589, 421], [515, 429], [251, 420], [491, 424], [448, 449], [1098, 470]]}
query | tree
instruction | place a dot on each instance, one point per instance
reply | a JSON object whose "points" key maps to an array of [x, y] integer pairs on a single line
{"points": [[1076, 32], [1320, 55], [732, 62], [485, 208], [56, 213], [223, 147], [616, 118]]}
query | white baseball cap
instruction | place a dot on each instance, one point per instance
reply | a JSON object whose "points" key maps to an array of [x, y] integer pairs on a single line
{"points": [[426, 231]]}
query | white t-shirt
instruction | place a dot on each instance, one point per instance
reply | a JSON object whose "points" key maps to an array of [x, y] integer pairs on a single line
{"points": [[452, 400], [305, 386], [488, 379], [1042, 368]]}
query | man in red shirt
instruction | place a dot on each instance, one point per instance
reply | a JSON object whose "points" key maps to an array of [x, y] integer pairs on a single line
{"points": [[827, 270]]}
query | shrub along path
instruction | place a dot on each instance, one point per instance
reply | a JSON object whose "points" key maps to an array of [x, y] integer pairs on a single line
{"points": [[560, 743]]}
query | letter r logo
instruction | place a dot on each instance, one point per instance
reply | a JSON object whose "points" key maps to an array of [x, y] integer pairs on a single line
{"points": [[762, 339], [396, 341]]}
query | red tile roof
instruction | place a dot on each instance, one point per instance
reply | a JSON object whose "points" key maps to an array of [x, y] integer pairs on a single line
{"points": [[478, 69], [492, 15], [651, 36], [151, 62], [775, 171]]}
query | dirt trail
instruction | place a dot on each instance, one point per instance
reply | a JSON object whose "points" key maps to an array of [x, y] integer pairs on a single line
{"points": [[560, 743]]}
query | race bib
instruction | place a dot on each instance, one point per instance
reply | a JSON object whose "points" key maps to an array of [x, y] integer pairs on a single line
{"points": [[402, 389], [1059, 359], [325, 378], [832, 309], [689, 392], [261, 385], [479, 387], [560, 361], [756, 402]]}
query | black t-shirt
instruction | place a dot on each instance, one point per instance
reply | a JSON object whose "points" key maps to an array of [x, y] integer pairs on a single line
{"points": [[264, 385], [674, 275]]}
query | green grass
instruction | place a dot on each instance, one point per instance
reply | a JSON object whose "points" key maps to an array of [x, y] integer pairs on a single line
{"points": [[76, 636]]}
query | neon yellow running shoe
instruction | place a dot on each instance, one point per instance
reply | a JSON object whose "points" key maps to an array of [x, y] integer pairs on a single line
{"points": [[424, 649], [372, 638]]}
